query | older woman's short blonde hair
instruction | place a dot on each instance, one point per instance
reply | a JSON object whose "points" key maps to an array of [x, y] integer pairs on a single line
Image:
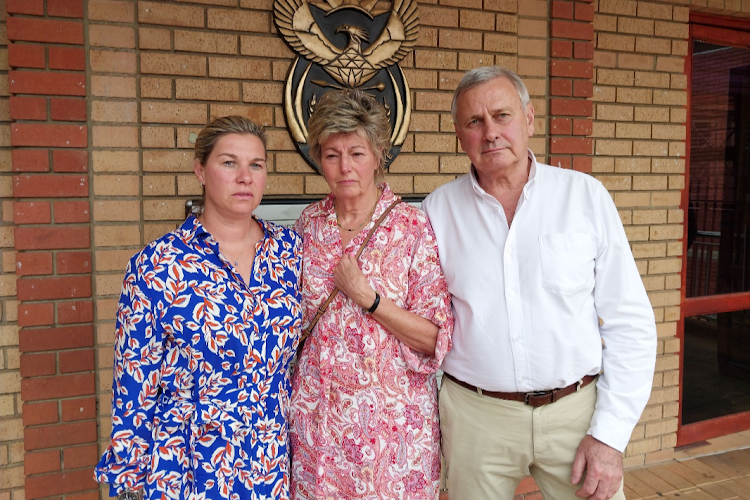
{"points": [[346, 111]]}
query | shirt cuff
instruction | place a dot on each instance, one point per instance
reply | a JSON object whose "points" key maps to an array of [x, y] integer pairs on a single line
{"points": [[610, 431]]}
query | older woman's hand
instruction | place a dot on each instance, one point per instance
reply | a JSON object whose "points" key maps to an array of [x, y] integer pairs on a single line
{"points": [[348, 278]]}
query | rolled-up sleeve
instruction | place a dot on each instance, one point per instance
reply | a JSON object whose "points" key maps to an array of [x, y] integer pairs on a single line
{"points": [[429, 298], [138, 353], [627, 329]]}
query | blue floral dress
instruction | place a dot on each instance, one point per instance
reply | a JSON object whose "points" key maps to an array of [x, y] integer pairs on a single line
{"points": [[201, 383]]}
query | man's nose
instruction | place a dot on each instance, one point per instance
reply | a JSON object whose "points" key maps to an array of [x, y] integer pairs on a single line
{"points": [[491, 131]]}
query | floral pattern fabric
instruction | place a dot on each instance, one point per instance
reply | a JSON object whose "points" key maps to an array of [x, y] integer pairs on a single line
{"points": [[364, 420], [201, 383]]}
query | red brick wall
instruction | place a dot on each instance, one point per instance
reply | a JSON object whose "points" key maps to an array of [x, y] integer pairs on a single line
{"points": [[50, 187]]}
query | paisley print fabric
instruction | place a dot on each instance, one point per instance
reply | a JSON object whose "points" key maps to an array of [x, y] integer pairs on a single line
{"points": [[201, 383], [364, 420]]}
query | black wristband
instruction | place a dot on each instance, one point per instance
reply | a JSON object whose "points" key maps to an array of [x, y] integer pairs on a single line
{"points": [[374, 304]]}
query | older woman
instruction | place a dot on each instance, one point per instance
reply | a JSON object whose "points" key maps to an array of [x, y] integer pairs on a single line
{"points": [[208, 320], [364, 405]]}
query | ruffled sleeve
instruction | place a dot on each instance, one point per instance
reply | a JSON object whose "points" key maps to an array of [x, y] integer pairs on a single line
{"points": [[428, 297], [139, 350]]}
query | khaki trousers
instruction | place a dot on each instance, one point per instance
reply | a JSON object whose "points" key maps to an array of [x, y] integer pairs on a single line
{"points": [[490, 444]]}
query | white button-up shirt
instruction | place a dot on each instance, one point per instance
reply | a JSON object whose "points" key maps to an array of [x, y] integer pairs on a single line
{"points": [[527, 298]]}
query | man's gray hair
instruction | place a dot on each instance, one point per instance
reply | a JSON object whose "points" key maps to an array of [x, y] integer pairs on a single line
{"points": [[478, 76]]}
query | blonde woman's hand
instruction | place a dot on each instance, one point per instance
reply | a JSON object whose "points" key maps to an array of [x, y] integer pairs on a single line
{"points": [[348, 278]]}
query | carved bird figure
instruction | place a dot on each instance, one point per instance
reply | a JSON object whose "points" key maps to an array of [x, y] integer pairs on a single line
{"points": [[352, 66]]}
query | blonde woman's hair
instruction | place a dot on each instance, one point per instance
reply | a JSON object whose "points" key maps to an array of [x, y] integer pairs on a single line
{"points": [[346, 111], [211, 133]]}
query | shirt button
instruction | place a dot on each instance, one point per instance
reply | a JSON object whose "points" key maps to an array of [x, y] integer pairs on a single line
{"points": [[520, 380], [512, 293]]}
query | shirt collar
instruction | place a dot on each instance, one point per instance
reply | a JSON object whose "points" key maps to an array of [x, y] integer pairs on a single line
{"points": [[327, 208], [533, 171]]}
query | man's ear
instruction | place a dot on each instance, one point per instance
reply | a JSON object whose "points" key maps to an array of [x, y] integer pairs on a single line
{"points": [[530, 118]]}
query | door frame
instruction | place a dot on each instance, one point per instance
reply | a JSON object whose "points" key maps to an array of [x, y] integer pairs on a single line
{"points": [[730, 32]]}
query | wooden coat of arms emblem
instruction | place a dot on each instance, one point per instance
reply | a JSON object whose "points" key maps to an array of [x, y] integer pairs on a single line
{"points": [[333, 43]]}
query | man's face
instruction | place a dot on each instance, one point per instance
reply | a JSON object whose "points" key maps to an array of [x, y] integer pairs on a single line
{"points": [[493, 127]]}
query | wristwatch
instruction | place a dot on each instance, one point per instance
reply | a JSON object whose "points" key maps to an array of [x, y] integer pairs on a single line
{"points": [[130, 495]]}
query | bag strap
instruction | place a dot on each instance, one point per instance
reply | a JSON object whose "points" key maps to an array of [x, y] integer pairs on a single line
{"points": [[307, 331]]}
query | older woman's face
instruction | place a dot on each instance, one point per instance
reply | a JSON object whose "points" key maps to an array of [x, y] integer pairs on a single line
{"points": [[349, 164], [234, 175]]}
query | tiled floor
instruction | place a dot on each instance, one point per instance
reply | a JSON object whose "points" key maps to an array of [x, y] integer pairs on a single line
{"points": [[706, 472]]}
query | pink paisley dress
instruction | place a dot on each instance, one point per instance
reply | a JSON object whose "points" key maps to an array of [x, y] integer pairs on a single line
{"points": [[364, 417]]}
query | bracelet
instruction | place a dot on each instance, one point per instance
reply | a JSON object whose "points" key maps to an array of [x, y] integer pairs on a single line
{"points": [[374, 304]]}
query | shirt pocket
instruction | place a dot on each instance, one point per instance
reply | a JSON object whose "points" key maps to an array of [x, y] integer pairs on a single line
{"points": [[567, 261]]}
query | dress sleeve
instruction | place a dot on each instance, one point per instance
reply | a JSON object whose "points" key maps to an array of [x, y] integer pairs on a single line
{"points": [[139, 351], [429, 298]]}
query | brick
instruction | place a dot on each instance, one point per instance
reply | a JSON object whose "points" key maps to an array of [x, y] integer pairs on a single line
{"points": [[28, 108], [112, 210], [111, 36], [562, 10], [532, 8], [476, 20], [584, 12], [653, 45], [67, 58], [613, 148], [37, 263], [506, 23], [670, 64], [583, 88], [203, 42], [44, 30], [66, 337], [242, 69], [264, 46], [583, 164], [108, 61], [40, 413], [561, 126], [113, 86], [114, 112], [168, 161], [115, 137], [156, 39], [262, 93], [623, 43], [460, 39], [572, 30], [570, 145], [671, 30], [621, 7], [637, 96], [26, 56], [28, 82], [80, 456], [65, 8], [28, 7], [75, 312], [532, 28], [68, 109], [635, 26], [156, 88], [64, 136], [49, 238], [116, 185], [501, 5], [562, 49], [30, 160], [53, 186], [162, 112], [173, 64], [583, 127], [111, 10], [500, 43], [61, 483], [73, 262], [571, 107], [238, 20], [434, 59], [70, 160], [583, 50], [33, 212], [41, 462], [560, 87], [115, 161], [571, 69], [211, 90], [614, 77], [157, 137], [75, 361], [172, 15], [438, 16], [36, 365]]}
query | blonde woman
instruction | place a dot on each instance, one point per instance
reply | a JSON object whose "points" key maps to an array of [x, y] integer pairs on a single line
{"points": [[208, 320], [364, 402]]}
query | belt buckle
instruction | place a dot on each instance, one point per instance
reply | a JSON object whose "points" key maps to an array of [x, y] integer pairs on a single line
{"points": [[534, 394]]}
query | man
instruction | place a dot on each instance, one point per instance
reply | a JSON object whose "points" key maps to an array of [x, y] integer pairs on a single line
{"points": [[546, 296]]}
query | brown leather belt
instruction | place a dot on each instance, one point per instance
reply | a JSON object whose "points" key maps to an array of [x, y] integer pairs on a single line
{"points": [[535, 399]]}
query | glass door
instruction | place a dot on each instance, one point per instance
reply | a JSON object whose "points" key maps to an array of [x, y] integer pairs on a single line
{"points": [[715, 387]]}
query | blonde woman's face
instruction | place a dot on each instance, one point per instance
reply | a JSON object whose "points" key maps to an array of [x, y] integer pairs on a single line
{"points": [[234, 176], [349, 164]]}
